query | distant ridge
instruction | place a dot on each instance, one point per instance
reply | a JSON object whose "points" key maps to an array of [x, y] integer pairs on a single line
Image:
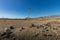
{"points": [[52, 16]]}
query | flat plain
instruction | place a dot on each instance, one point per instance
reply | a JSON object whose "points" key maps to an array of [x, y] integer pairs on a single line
{"points": [[32, 29]]}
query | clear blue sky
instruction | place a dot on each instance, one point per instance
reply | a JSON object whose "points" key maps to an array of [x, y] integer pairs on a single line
{"points": [[19, 8]]}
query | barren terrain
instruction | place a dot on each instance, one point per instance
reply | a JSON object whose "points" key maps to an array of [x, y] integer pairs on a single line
{"points": [[33, 29]]}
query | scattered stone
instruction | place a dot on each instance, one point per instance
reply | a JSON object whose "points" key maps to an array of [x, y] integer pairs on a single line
{"points": [[36, 35], [14, 38], [22, 28], [11, 27], [50, 35], [55, 28], [41, 26], [44, 34], [33, 25]]}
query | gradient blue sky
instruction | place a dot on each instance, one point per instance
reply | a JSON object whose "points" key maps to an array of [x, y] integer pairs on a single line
{"points": [[19, 8]]}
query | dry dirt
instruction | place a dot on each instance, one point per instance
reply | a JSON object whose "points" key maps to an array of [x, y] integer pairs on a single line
{"points": [[33, 29]]}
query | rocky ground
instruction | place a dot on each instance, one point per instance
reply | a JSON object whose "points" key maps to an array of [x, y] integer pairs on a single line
{"points": [[32, 29]]}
